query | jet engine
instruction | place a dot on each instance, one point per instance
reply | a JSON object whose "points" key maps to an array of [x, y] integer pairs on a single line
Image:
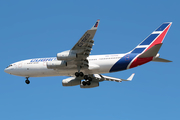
{"points": [[66, 55], [92, 84], [72, 81], [55, 64]]}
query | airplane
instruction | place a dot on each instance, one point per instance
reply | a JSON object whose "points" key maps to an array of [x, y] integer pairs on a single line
{"points": [[86, 70]]}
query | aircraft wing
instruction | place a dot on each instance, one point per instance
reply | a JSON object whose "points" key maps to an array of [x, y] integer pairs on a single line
{"points": [[96, 78], [107, 78], [84, 46], [86, 40]]}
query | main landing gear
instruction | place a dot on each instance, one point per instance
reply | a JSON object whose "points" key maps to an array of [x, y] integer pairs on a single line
{"points": [[86, 82], [81, 74], [87, 79], [27, 80], [77, 74]]}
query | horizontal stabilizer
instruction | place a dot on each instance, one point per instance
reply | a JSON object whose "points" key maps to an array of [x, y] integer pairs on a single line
{"points": [[151, 52], [161, 60]]}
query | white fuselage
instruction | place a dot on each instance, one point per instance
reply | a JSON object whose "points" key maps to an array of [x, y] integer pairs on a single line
{"points": [[37, 67]]}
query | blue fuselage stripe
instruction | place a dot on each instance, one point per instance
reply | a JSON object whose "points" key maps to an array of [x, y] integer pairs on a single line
{"points": [[123, 62]]}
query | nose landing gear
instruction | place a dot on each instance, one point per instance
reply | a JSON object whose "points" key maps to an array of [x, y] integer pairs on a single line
{"points": [[27, 80]]}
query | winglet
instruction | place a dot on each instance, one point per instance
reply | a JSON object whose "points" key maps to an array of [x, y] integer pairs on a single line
{"points": [[131, 77], [95, 26]]}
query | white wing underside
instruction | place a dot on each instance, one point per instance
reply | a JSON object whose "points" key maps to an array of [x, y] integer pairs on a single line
{"points": [[100, 78], [107, 78]]}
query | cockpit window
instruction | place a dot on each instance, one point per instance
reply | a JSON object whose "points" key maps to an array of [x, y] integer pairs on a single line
{"points": [[8, 66]]}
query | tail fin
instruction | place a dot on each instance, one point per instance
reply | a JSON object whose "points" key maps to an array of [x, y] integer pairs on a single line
{"points": [[155, 38], [148, 49]]}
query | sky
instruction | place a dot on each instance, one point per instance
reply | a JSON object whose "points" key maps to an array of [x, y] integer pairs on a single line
{"points": [[41, 28]]}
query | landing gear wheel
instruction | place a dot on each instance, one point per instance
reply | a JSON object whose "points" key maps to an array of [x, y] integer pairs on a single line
{"points": [[27, 81], [88, 82], [89, 78], [84, 83], [86, 77], [77, 74], [81, 74]]}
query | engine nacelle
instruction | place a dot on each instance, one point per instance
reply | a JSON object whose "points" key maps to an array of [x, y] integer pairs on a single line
{"points": [[72, 81], [66, 55], [56, 64], [92, 85]]}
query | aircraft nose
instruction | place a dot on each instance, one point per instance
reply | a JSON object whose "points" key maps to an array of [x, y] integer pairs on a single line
{"points": [[7, 70]]}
